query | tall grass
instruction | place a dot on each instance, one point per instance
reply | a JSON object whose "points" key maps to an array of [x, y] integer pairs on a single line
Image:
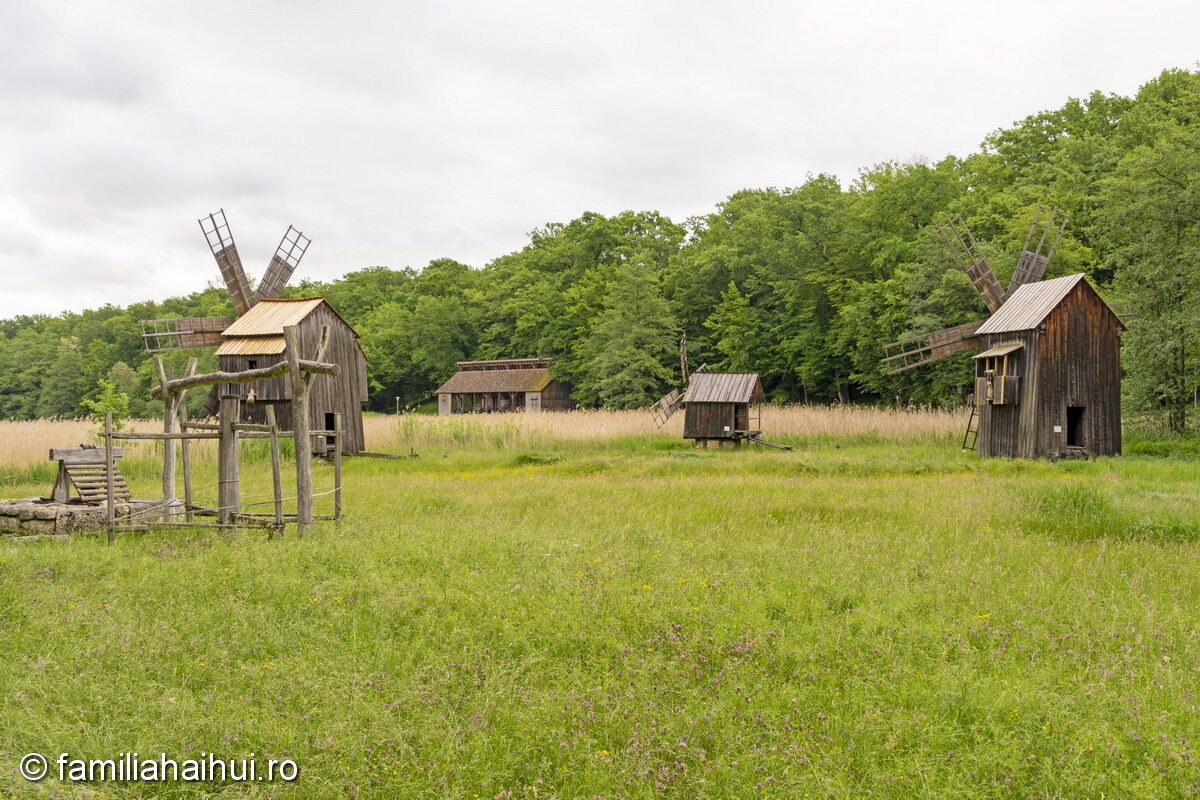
{"points": [[507, 431]]}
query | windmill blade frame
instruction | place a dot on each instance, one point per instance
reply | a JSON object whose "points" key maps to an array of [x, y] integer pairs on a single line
{"points": [[220, 241], [914, 351], [973, 261], [665, 407], [1032, 264], [291, 249]]}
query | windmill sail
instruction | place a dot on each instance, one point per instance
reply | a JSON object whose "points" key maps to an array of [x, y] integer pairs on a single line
{"points": [[958, 236], [928, 347], [220, 242], [160, 335], [666, 406], [287, 257], [1031, 266]]}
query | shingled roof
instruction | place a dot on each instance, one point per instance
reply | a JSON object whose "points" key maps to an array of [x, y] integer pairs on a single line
{"points": [[1031, 303], [723, 387], [493, 376]]}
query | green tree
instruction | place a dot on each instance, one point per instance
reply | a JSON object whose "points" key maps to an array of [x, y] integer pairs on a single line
{"points": [[110, 400], [630, 344], [735, 328], [1151, 213]]}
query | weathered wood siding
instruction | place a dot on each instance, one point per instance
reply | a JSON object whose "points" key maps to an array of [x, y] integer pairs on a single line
{"points": [[557, 396], [328, 394], [710, 420]]}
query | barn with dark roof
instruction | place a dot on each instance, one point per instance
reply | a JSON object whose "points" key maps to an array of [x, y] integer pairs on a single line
{"points": [[512, 384], [1048, 377]]}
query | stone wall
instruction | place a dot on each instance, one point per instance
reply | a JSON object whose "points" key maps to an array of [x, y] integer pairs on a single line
{"points": [[35, 516]]}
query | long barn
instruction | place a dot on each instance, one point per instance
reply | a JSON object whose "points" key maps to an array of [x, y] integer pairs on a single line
{"points": [[510, 384], [255, 339]]}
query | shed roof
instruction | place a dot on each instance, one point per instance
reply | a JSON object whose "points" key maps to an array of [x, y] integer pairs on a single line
{"points": [[1031, 303], [496, 380], [252, 346], [1001, 350], [723, 387]]}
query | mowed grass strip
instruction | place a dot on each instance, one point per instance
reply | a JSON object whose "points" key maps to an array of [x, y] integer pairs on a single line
{"points": [[635, 619]]}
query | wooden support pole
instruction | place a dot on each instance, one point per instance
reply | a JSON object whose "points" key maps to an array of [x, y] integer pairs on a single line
{"points": [[169, 402], [337, 466], [276, 468], [228, 491], [186, 456], [111, 500], [300, 427]]}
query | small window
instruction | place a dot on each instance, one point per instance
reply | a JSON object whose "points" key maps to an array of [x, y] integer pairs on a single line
{"points": [[251, 363]]}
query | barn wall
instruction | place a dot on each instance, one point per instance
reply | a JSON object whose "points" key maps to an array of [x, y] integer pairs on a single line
{"points": [[557, 396]]}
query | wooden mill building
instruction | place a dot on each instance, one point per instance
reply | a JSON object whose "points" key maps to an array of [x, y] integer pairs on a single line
{"points": [[255, 339], [512, 384], [1048, 379], [718, 407]]}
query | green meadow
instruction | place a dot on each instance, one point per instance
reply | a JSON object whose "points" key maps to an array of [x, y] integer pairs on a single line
{"points": [[633, 618]]}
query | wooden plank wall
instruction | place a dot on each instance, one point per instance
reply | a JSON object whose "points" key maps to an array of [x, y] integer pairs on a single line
{"points": [[557, 396], [708, 420]]}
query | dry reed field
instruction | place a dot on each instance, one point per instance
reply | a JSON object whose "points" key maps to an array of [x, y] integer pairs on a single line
{"points": [[398, 433], [23, 443]]}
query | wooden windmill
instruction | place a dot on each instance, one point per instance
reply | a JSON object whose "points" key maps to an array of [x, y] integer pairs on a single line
{"points": [[254, 339], [160, 335], [718, 407], [1047, 382]]}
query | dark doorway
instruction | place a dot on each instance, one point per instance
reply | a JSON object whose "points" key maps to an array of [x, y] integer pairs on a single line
{"points": [[1075, 426], [329, 422]]}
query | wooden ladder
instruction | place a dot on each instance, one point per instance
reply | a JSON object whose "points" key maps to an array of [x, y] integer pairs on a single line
{"points": [[83, 468], [971, 434]]}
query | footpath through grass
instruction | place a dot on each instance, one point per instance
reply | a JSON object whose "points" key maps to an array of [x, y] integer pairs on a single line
{"points": [[639, 620]]}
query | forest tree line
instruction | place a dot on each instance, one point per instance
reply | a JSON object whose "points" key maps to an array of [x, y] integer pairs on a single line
{"points": [[803, 285]]}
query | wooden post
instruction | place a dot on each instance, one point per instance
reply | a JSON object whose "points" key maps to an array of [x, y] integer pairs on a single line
{"points": [[185, 452], [228, 491], [300, 429], [169, 404], [337, 466], [276, 469], [111, 502]]}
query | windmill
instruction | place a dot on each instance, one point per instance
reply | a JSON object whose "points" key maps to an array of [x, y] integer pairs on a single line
{"points": [[160, 335], [1031, 268]]}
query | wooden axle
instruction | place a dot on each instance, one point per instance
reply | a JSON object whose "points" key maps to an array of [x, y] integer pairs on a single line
{"points": [[247, 375]]}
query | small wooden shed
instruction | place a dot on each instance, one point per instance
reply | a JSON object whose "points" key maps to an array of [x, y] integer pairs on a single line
{"points": [[718, 406], [1048, 377], [511, 384], [255, 339]]}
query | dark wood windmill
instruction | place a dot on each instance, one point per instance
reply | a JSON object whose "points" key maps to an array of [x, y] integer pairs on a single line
{"points": [[718, 407], [1047, 382]]}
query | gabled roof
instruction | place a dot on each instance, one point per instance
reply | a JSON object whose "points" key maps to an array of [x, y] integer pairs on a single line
{"points": [[269, 317], [723, 387], [496, 380], [1031, 303]]}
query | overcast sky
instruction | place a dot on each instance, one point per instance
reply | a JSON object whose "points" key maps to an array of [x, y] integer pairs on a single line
{"points": [[393, 133]]}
